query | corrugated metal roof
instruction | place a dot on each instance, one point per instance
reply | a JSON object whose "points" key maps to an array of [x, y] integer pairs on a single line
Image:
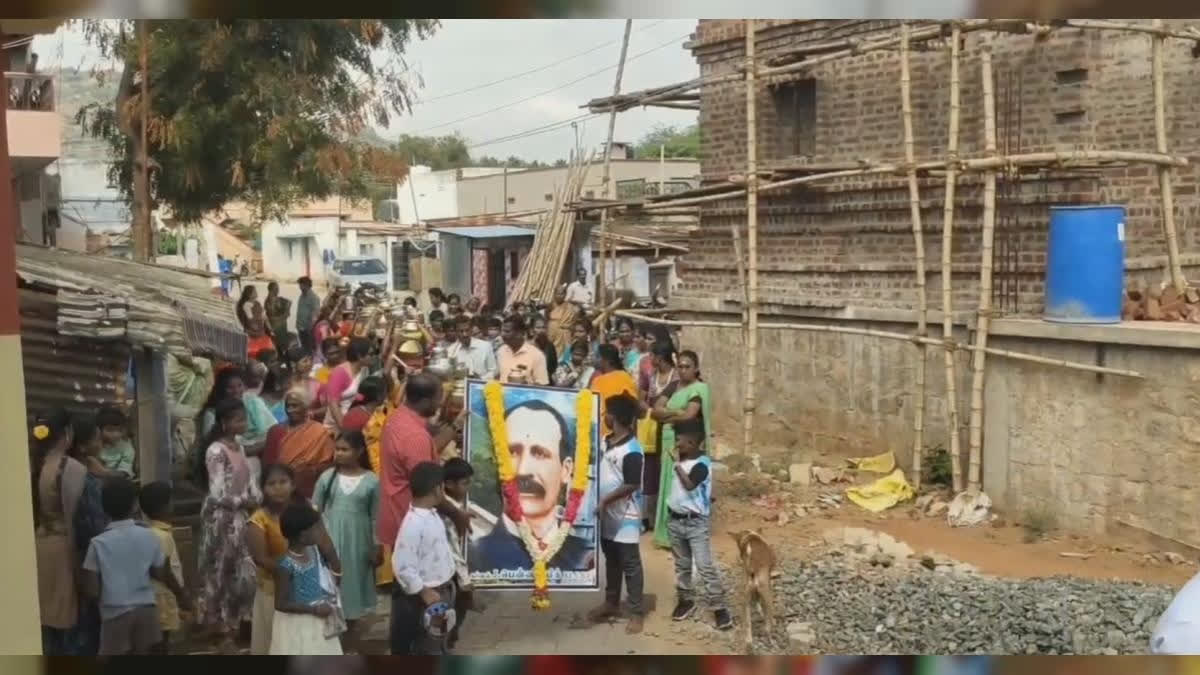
{"points": [[168, 309], [487, 231], [509, 218], [61, 371]]}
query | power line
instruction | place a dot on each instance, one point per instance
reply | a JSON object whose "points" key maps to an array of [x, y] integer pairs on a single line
{"points": [[553, 126], [538, 69], [548, 91]]}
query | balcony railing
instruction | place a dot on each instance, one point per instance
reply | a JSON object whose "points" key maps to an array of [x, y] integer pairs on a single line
{"points": [[30, 91]]}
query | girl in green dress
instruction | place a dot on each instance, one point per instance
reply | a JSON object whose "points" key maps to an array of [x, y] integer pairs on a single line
{"points": [[687, 399], [347, 495]]}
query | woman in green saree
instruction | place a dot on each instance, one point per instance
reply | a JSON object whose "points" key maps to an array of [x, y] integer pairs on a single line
{"points": [[687, 400]]}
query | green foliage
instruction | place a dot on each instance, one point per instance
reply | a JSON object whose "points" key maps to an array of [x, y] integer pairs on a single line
{"points": [[676, 143], [937, 468], [266, 111]]}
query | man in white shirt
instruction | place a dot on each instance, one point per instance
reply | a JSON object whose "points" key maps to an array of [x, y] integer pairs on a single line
{"points": [[476, 355], [578, 292], [423, 563]]}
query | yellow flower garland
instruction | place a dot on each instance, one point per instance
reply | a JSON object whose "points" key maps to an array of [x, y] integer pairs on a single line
{"points": [[583, 439], [493, 396]]}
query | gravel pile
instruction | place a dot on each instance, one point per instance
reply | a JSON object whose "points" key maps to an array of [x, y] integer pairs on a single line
{"points": [[839, 605]]}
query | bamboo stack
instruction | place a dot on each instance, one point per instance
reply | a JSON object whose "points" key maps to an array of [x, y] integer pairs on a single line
{"points": [[542, 272]]}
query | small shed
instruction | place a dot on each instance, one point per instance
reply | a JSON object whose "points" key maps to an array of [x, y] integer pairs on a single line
{"points": [[96, 330], [484, 261]]}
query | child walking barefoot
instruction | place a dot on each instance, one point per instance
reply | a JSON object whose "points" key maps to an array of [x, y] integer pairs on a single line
{"points": [[302, 603], [267, 544], [347, 495]]}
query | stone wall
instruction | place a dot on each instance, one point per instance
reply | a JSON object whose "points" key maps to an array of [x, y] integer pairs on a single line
{"points": [[849, 242]]}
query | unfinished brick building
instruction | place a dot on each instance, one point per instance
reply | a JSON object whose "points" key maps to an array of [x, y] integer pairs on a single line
{"points": [[1100, 451]]}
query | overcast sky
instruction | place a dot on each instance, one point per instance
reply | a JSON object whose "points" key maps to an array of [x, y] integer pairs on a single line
{"points": [[576, 61]]}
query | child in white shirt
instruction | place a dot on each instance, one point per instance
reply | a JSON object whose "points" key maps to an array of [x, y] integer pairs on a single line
{"points": [[423, 562]]}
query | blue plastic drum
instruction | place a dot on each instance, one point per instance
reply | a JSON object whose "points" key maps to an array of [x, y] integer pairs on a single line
{"points": [[1085, 264]]}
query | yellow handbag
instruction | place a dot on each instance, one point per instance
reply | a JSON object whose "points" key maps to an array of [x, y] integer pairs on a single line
{"points": [[647, 433]]}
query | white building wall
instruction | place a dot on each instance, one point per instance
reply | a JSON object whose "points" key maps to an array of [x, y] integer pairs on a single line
{"points": [[532, 189], [435, 192], [283, 256]]}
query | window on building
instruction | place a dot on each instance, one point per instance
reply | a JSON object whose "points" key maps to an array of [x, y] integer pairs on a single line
{"points": [[796, 117], [366, 249], [514, 267], [512, 200], [590, 194], [1072, 76], [549, 197]]}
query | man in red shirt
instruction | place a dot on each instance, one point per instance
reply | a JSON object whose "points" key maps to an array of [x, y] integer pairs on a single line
{"points": [[405, 443]]}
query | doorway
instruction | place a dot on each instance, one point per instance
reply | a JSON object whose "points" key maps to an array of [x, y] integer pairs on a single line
{"points": [[497, 281]]}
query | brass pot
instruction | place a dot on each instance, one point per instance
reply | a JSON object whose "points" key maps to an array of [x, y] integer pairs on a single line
{"points": [[411, 330]]}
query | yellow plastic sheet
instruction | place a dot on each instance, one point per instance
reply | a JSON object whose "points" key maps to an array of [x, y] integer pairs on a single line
{"points": [[885, 463], [883, 494]]}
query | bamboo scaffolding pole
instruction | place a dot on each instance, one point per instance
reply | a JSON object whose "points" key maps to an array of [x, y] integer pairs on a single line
{"points": [[606, 181], [888, 335], [751, 240], [985, 276], [1166, 189], [835, 50], [914, 201], [953, 446], [964, 165]]}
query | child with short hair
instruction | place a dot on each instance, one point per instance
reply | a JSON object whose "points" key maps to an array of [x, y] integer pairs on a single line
{"points": [[423, 563], [456, 482], [117, 570], [156, 504], [117, 452], [689, 525], [303, 600], [620, 485]]}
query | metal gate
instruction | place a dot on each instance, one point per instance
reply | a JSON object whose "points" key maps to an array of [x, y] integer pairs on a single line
{"points": [[401, 252]]}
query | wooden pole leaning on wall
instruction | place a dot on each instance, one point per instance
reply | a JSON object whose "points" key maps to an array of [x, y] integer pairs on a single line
{"points": [[888, 335], [1166, 189], [953, 446], [914, 201], [985, 275], [602, 284], [751, 242]]}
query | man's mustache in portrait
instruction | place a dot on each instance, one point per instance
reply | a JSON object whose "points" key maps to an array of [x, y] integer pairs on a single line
{"points": [[527, 485]]}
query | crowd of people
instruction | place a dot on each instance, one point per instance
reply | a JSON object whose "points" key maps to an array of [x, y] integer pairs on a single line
{"points": [[330, 472]]}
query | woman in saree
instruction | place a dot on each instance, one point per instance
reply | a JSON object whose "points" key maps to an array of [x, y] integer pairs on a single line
{"points": [[561, 320], [689, 399], [581, 330], [66, 514], [302, 444], [278, 308], [663, 378]]}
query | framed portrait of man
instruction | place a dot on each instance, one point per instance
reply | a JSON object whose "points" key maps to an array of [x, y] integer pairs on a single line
{"points": [[541, 425]]}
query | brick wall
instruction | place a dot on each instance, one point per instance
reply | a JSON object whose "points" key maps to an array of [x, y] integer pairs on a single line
{"points": [[849, 242]]}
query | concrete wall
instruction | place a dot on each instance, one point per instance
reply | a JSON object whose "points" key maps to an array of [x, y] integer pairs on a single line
{"points": [[824, 395], [849, 242], [1096, 451], [1099, 453], [529, 189]]}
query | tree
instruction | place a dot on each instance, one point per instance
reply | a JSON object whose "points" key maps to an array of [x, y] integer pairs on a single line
{"points": [[675, 142], [265, 111], [436, 152]]}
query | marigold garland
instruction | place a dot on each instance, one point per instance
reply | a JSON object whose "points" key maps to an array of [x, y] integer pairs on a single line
{"points": [[541, 551]]}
